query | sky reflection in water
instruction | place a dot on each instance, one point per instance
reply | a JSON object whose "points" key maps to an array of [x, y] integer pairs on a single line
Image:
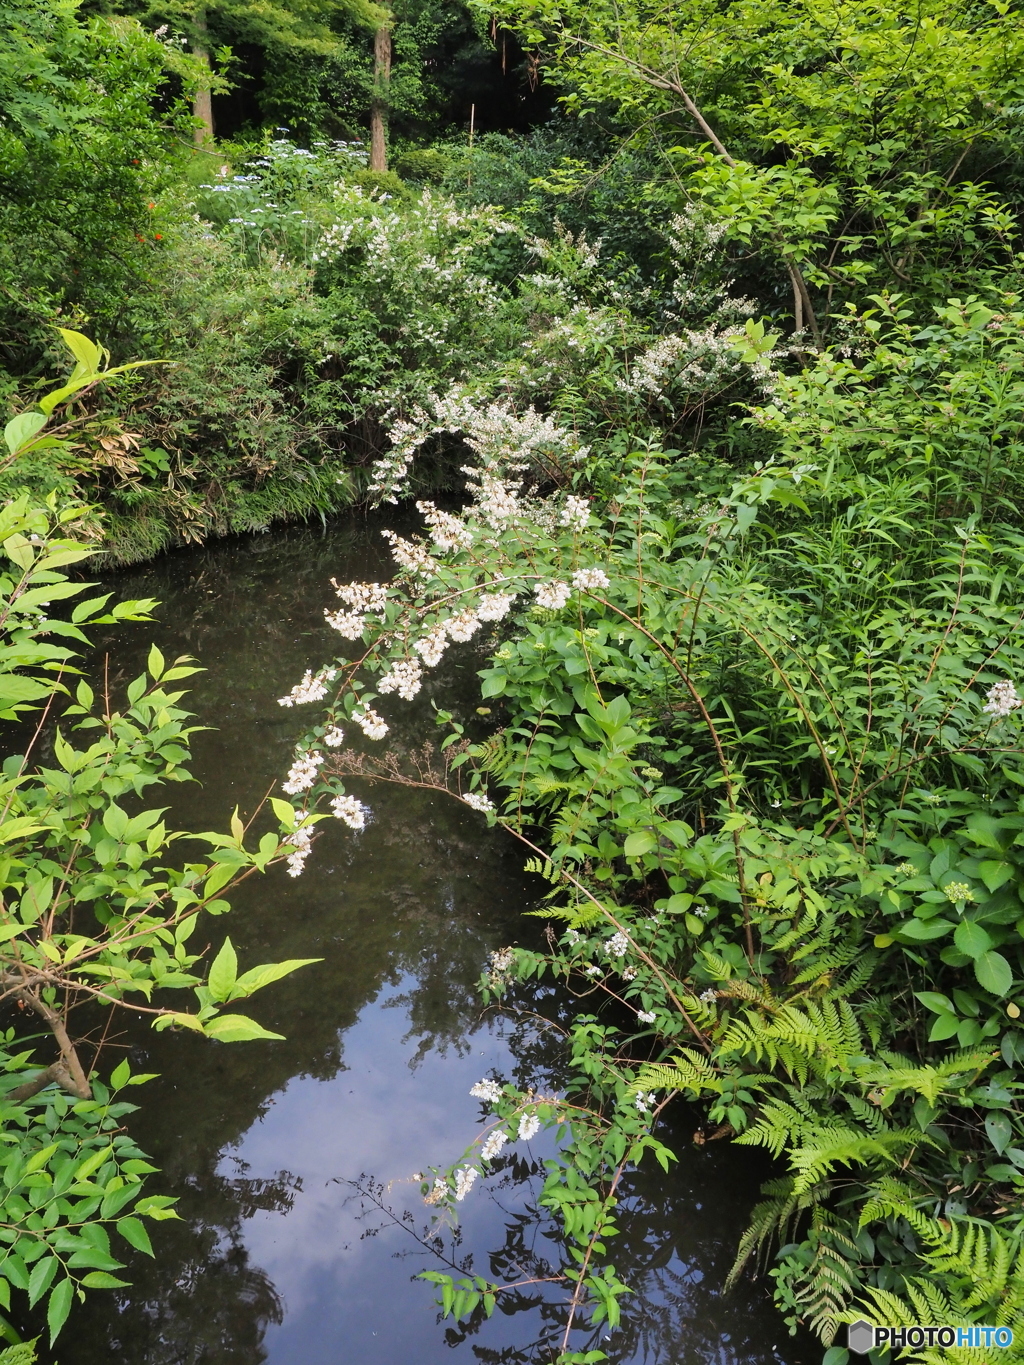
{"points": [[279, 1258]]}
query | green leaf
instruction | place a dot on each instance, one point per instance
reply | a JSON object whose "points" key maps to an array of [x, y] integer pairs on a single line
{"points": [[99, 1279], [640, 842], [41, 1278], [932, 1000], [120, 1075], [223, 973], [999, 1129], [257, 977], [237, 1028], [155, 663], [58, 1307], [134, 1231], [993, 973], [972, 939], [22, 428]]}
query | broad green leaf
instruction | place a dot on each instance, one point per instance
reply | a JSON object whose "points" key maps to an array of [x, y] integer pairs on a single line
{"points": [[999, 1129], [933, 1000], [120, 1075], [257, 977], [99, 1279], [640, 842], [237, 1028], [58, 1307], [223, 973], [971, 938], [993, 973], [41, 1278], [20, 430], [134, 1231]]}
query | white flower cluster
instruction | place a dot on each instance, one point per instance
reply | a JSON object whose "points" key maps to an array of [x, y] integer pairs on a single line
{"points": [[372, 725], [575, 513], [529, 1126], [313, 687], [347, 623], [333, 737], [590, 580], [465, 1179], [447, 532], [487, 1090], [360, 599], [303, 773], [707, 997], [493, 1145], [462, 626], [301, 841], [495, 606], [479, 802], [1002, 699], [553, 594], [350, 810], [408, 555], [629, 973], [404, 677], [646, 1016], [645, 1102], [431, 647], [617, 945]]}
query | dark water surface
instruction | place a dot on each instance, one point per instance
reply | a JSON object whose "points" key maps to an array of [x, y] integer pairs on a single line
{"points": [[294, 1160]]}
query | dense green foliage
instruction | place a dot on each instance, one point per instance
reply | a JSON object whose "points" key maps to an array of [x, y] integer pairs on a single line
{"points": [[721, 377]]}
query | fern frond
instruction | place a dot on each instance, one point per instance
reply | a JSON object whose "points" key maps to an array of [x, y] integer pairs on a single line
{"points": [[689, 1070]]}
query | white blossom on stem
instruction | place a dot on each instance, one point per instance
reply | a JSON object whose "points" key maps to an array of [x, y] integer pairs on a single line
{"points": [[346, 623], [590, 580], [495, 606], [372, 725], [1002, 699], [486, 1090], [404, 677], [311, 688], [303, 773], [479, 802], [575, 513], [493, 1145], [553, 594], [431, 647], [350, 810], [407, 554], [617, 945], [301, 841], [333, 737], [462, 626], [646, 1016], [465, 1179], [529, 1126]]}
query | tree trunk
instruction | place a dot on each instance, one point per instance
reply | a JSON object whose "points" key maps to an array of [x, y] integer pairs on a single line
{"points": [[202, 104], [379, 106]]}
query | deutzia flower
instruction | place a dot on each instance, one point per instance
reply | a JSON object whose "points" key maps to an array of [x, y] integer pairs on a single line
{"points": [[495, 606], [303, 773], [529, 1126], [350, 810], [431, 647], [362, 597], [479, 802], [593, 970], [706, 997], [487, 1090], [628, 973], [465, 1179], [1002, 699], [590, 579], [404, 677], [576, 513], [309, 689], [372, 725], [334, 737], [439, 1193], [408, 555], [463, 626], [301, 841], [646, 1016], [346, 623], [493, 1145], [617, 945], [552, 595], [644, 1102]]}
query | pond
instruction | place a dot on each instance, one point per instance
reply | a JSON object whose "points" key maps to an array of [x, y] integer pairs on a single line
{"points": [[302, 1227]]}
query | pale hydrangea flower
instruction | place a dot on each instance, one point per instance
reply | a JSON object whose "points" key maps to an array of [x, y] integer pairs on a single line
{"points": [[552, 595], [487, 1090], [529, 1126], [479, 802], [591, 580], [350, 810], [493, 1145], [958, 891], [465, 1179], [907, 870], [1002, 699], [303, 773], [617, 945], [404, 677], [372, 725], [333, 737], [575, 513]]}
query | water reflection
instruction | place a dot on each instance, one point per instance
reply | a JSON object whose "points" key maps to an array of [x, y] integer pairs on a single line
{"points": [[278, 1257]]}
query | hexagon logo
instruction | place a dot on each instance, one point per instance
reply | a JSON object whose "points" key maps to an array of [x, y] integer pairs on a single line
{"points": [[860, 1336]]}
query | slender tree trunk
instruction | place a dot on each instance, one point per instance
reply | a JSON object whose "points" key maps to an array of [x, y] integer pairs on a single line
{"points": [[202, 104], [379, 106]]}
